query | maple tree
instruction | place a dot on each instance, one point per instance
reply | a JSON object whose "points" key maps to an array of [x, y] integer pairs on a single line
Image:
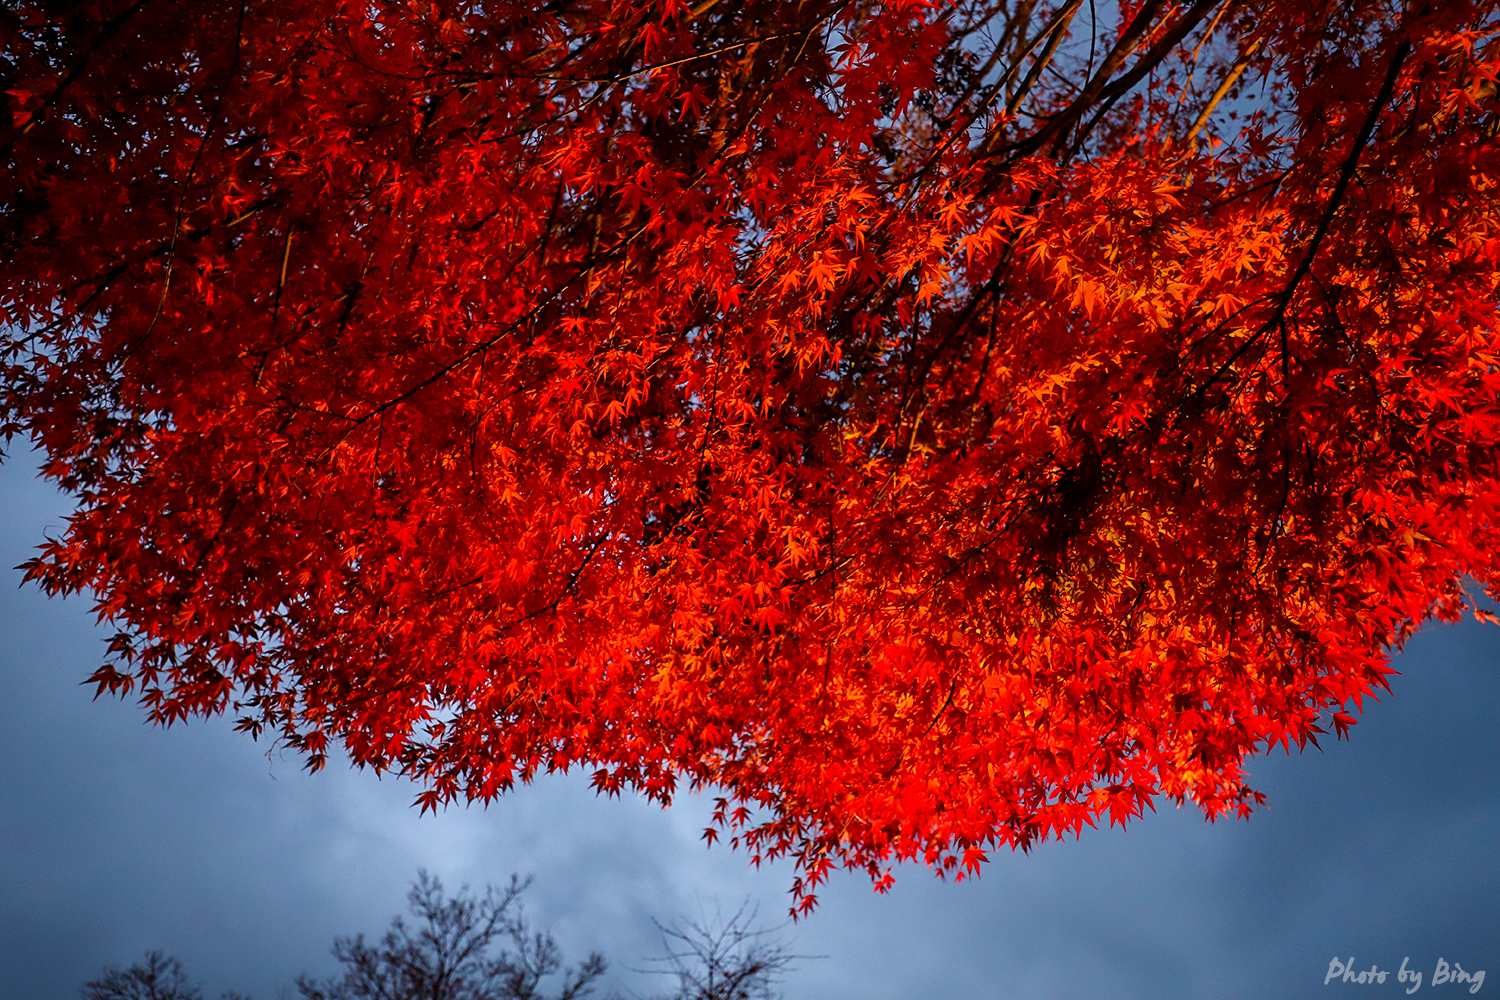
{"points": [[936, 426]]}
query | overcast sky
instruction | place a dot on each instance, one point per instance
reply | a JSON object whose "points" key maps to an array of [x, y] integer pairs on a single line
{"points": [[116, 838]]}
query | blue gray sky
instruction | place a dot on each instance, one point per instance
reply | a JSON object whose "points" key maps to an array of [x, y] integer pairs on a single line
{"points": [[116, 837]]}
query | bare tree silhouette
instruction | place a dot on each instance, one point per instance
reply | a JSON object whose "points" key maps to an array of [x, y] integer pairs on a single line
{"points": [[453, 950], [719, 959]]}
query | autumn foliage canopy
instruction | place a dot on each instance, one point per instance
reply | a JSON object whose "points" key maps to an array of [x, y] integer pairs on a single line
{"points": [[932, 425]]}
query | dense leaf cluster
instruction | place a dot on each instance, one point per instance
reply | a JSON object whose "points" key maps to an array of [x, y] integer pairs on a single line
{"points": [[937, 426]]}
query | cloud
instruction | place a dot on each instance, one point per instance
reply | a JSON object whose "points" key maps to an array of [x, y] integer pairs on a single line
{"points": [[117, 838]]}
